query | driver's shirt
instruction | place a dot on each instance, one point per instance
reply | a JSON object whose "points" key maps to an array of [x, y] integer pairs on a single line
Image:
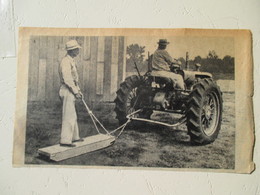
{"points": [[161, 60]]}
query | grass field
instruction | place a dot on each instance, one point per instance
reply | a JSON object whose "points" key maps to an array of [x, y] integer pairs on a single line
{"points": [[142, 146]]}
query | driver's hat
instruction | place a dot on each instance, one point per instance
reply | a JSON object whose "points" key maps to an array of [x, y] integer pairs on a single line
{"points": [[163, 42]]}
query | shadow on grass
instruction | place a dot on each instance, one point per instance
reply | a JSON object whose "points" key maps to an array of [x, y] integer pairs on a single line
{"points": [[166, 135]]}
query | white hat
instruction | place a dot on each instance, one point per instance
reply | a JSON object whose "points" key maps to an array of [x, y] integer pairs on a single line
{"points": [[72, 44]]}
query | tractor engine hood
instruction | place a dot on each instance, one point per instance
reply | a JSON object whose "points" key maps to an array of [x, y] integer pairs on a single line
{"points": [[192, 75]]}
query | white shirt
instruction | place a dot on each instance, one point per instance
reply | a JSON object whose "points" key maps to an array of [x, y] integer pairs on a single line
{"points": [[68, 74]]}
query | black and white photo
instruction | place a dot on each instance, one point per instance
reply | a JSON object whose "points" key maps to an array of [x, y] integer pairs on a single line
{"points": [[157, 100]]}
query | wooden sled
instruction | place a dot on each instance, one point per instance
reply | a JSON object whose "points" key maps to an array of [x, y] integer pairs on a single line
{"points": [[92, 143]]}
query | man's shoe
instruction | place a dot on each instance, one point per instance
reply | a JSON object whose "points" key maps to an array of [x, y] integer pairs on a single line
{"points": [[68, 145], [79, 140]]}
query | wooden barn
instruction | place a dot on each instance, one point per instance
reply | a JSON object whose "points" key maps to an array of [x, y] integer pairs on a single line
{"points": [[100, 64]]}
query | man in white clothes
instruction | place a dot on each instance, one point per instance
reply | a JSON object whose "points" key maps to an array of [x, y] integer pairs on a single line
{"points": [[69, 92]]}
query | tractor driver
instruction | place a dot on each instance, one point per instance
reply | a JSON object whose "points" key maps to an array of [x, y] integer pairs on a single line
{"points": [[161, 63]]}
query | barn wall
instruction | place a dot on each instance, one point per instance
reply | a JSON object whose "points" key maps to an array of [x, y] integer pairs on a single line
{"points": [[100, 64]]}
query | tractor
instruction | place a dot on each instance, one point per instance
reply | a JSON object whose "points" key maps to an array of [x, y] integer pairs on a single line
{"points": [[199, 105]]}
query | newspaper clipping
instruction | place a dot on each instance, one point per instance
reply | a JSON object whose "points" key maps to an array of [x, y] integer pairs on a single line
{"points": [[168, 99]]}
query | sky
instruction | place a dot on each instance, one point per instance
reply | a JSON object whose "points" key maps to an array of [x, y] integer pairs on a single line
{"points": [[179, 45]]}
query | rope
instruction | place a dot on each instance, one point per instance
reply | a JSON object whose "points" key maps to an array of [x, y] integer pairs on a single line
{"points": [[91, 116], [128, 121], [94, 120], [101, 124], [129, 118]]}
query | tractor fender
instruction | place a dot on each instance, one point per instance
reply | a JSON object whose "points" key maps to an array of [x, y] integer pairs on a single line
{"points": [[191, 76]]}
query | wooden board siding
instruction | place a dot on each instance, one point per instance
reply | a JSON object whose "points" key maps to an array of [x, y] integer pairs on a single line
{"points": [[86, 67], [93, 68], [100, 64], [41, 80], [121, 60], [58, 55], [79, 60], [33, 68], [49, 82], [107, 67], [114, 68]]}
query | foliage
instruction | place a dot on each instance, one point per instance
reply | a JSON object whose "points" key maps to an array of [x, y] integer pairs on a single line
{"points": [[212, 55], [182, 61], [219, 68], [213, 64], [197, 59], [135, 54]]}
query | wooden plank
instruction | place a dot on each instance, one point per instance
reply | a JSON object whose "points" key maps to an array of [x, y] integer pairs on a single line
{"points": [[79, 62], [121, 60], [72, 38], [101, 49], [43, 47], [100, 78], [41, 80], [30, 72], [86, 48], [33, 69], [107, 68], [100, 66], [65, 39], [93, 68], [49, 89], [85, 84], [61, 41], [42, 68], [114, 68], [90, 144], [59, 53], [86, 66], [124, 59]]}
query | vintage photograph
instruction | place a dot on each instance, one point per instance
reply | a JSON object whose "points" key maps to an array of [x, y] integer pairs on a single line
{"points": [[157, 101]]}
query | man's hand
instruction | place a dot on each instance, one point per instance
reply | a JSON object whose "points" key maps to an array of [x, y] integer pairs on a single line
{"points": [[174, 67]]}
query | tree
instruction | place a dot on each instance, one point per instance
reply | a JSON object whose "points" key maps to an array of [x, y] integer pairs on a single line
{"points": [[212, 55], [135, 53], [182, 62], [229, 63], [228, 60], [197, 59]]}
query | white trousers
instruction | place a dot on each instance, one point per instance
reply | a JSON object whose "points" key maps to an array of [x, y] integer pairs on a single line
{"points": [[176, 78], [69, 129]]}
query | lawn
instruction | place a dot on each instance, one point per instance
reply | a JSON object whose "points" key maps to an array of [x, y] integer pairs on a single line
{"points": [[142, 146]]}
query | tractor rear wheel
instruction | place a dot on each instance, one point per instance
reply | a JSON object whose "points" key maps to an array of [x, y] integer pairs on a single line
{"points": [[204, 112], [127, 100]]}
